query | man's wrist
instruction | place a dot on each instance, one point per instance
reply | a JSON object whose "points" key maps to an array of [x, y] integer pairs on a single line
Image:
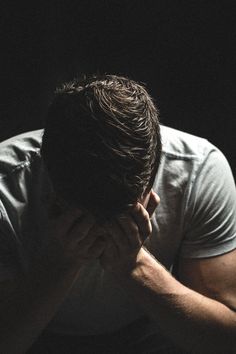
{"points": [[47, 268], [134, 267]]}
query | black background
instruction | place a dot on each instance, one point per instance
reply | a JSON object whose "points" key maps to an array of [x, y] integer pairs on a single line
{"points": [[182, 50]]}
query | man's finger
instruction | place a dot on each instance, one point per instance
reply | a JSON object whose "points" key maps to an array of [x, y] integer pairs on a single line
{"points": [[97, 247], [153, 203], [119, 235], [63, 221], [130, 230], [81, 226], [142, 219]]}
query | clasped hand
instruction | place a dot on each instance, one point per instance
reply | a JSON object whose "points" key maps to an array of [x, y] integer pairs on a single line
{"points": [[75, 236], [126, 234]]}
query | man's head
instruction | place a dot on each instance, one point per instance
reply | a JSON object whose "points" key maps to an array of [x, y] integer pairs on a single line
{"points": [[102, 143]]}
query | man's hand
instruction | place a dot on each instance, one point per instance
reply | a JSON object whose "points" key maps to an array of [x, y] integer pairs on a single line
{"points": [[73, 237], [126, 235]]}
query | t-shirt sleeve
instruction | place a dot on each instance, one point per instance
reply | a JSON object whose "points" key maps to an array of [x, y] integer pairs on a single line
{"points": [[8, 249], [210, 210]]}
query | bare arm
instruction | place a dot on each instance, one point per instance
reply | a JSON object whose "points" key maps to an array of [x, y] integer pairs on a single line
{"points": [[196, 322], [28, 303]]}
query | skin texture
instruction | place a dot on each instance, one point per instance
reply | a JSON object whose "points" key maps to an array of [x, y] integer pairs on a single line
{"points": [[213, 277], [126, 234], [197, 312], [78, 237]]}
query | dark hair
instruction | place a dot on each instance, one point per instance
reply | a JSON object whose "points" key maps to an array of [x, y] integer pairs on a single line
{"points": [[101, 143]]}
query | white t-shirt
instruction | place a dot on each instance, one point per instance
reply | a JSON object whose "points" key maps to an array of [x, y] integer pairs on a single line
{"points": [[195, 219]]}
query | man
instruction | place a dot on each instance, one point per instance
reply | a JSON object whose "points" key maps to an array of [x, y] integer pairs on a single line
{"points": [[97, 215]]}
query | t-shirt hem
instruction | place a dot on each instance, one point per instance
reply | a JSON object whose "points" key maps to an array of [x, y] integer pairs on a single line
{"points": [[210, 251]]}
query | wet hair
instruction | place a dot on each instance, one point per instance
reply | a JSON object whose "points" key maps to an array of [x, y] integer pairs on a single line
{"points": [[101, 143]]}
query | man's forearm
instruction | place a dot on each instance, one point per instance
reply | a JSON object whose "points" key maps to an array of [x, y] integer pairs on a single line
{"points": [[27, 309], [194, 322]]}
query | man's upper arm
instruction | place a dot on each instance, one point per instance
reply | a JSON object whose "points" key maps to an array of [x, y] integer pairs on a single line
{"points": [[213, 277], [207, 261], [210, 211], [9, 260], [9, 276]]}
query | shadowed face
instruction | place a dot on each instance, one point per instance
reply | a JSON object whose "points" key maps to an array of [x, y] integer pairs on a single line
{"points": [[59, 206]]}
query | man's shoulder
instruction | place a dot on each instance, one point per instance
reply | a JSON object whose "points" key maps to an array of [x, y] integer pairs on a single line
{"points": [[24, 184], [184, 146], [183, 157], [19, 150]]}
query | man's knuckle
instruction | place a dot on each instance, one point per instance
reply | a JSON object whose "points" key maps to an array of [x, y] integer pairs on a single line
{"points": [[134, 229], [146, 216]]}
